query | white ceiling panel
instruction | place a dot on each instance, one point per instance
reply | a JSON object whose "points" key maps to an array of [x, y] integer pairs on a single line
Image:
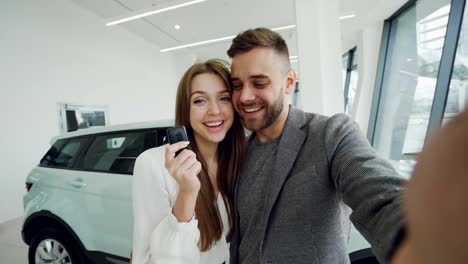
{"points": [[136, 5], [221, 18], [203, 21], [218, 50], [151, 32], [103, 8]]}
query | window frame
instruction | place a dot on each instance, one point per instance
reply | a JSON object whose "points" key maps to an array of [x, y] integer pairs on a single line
{"points": [[447, 64], [444, 75], [351, 66]]}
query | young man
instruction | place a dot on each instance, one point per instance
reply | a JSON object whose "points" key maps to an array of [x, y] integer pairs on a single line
{"points": [[303, 171]]}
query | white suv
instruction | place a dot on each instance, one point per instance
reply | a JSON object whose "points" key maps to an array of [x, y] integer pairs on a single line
{"points": [[78, 208]]}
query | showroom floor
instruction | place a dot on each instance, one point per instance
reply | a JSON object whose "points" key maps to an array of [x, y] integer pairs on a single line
{"points": [[12, 248]]}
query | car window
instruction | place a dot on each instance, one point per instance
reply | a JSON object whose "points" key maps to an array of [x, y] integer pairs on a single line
{"points": [[52, 153], [117, 152], [63, 154]]}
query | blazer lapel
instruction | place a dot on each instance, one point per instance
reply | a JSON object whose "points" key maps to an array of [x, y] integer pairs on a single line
{"points": [[290, 144]]}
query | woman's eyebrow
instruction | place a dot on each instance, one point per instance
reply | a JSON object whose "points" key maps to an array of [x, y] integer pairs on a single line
{"points": [[197, 92]]}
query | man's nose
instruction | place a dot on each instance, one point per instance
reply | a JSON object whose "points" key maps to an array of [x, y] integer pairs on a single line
{"points": [[247, 94]]}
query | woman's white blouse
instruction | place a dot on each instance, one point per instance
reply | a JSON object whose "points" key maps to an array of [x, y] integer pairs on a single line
{"points": [[157, 236]]}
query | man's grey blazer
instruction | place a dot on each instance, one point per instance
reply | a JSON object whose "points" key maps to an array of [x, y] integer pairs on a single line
{"points": [[325, 166]]}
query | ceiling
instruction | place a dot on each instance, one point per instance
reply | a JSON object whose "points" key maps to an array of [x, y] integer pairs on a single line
{"points": [[220, 18]]}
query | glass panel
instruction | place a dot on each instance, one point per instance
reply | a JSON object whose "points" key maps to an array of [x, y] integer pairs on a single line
{"points": [[353, 82], [115, 153], [68, 153], [344, 63], [457, 99], [411, 68], [115, 142], [79, 119], [355, 58], [53, 152], [74, 117]]}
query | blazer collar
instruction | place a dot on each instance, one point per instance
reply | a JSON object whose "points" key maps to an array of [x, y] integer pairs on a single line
{"points": [[290, 144]]}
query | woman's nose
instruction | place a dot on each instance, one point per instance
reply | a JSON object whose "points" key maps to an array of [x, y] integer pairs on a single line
{"points": [[214, 108]]}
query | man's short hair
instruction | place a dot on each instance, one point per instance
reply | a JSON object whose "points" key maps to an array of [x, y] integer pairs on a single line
{"points": [[258, 37]]}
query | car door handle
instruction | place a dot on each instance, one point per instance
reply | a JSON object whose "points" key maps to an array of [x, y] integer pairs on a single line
{"points": [[78, 183]]}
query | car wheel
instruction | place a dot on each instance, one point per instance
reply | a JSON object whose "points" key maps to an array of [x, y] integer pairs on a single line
{"points": [[52, 246]]}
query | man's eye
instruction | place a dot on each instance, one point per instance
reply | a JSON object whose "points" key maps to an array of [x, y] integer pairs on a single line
{"points": [[261, 85], [236, 86]]}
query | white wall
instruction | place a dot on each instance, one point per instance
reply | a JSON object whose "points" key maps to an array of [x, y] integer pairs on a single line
{"points": [[319, 50], [369, 48], [54, 51], [367, 42]]}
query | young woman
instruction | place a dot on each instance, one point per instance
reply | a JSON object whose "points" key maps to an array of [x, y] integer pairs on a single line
{"points": [[182, 204]]}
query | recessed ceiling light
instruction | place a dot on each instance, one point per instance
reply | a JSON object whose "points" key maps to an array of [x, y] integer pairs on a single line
{"points": [[149, 13], [177, 27], [283, 28], [346, 17], [217, 40]]}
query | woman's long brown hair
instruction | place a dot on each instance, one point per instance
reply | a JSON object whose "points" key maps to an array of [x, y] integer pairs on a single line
{"points": [[230, 155]]}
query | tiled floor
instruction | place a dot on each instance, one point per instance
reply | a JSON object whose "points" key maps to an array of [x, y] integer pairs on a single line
{"points": [[12, 248]]}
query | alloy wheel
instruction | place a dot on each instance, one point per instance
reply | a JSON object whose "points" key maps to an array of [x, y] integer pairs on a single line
{"points": [[51, 251]]}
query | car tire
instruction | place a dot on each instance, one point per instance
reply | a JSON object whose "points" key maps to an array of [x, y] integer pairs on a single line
{"points": [[50, 244]]}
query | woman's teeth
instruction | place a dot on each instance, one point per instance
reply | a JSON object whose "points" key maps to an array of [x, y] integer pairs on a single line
{"points": [[214, 124]]}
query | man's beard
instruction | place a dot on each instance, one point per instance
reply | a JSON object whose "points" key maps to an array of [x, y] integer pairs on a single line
{"points": [[272, 113]]}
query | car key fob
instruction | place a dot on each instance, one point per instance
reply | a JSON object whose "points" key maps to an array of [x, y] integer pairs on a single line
{"points": [[177, 134]]}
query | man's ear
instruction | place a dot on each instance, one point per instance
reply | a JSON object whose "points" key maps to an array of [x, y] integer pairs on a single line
{"points": [[291, 81]]}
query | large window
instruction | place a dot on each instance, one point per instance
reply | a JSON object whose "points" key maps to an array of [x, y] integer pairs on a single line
{"points": [[350, 78], [457, 99], [415, 60]]}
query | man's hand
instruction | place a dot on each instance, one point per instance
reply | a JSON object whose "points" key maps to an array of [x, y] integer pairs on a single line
{"points": [[436, 202]]}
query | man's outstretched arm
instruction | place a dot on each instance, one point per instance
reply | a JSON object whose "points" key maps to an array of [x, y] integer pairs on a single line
{"points": [[369, 185], [436, 202]]}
